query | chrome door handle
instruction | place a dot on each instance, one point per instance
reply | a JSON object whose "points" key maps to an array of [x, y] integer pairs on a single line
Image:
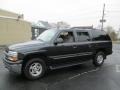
{"points": [[89, 46], [74, 46]]}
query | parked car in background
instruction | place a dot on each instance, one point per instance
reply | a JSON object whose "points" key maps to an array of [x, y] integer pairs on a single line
{"points": [[55, 49]]}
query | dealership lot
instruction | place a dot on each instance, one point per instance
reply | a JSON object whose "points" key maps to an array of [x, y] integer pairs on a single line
{"points": [[82, 77]]}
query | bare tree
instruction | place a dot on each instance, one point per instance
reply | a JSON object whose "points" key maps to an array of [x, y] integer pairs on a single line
{"points": [[62, 25], [111, 32]]}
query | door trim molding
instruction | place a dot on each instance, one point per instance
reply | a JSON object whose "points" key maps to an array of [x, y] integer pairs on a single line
{"points": [[70, 55]]}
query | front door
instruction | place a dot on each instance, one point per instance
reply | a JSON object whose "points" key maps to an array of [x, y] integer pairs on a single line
{"points": [[64, 51]]}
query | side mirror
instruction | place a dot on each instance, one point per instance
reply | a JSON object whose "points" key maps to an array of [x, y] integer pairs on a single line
{"points": [[58, 40]]}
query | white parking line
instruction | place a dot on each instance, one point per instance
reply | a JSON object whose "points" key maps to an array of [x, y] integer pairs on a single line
{"points": [[72, 77], [83, 73], [117, 68]]}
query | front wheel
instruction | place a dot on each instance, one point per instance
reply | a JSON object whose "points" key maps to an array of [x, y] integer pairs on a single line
{"points": [[98, 59], [34, 69]]}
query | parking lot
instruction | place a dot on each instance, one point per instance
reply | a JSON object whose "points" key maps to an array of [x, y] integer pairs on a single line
{"points": [[82, 77]]}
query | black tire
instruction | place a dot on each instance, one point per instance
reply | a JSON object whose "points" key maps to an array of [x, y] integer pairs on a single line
{"points": [[97, 62], [29, 65]]}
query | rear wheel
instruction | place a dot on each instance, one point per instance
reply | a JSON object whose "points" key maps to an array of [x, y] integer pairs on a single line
{"points": [[34, 68], [98, 59]]}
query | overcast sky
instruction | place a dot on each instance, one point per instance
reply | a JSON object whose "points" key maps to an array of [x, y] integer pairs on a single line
{"points": [[74, 12]]}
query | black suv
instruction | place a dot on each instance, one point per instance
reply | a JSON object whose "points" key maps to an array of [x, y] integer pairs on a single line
{"points": [[55, 49]]}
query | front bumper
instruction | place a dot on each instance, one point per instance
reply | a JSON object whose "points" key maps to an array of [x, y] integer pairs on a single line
{"points": [[15, 67]]}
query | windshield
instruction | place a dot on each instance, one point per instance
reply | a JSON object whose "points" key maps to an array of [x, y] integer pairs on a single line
{"points": [[47, 35]]}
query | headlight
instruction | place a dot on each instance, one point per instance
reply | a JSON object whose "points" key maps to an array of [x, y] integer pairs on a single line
{"points": [[13, 56]]}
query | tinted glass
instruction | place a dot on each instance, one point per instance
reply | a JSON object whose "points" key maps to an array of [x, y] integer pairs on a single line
{"points": [[99, 35], [83, 36]]}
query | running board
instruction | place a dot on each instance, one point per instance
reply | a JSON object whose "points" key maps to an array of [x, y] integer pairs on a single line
{"points": [[66, 65]]}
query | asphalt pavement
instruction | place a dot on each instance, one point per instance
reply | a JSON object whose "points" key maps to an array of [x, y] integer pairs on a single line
{"points": [[81, 77]]}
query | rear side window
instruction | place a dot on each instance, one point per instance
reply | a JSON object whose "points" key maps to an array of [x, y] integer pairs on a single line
{"points": [[83, 36], [99, 35]]}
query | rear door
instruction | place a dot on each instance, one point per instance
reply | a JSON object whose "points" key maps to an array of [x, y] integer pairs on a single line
{"points": [[84, 49], [101, 41]]}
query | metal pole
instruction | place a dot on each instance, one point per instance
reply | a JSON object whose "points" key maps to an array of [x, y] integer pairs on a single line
{"points": [[103, 14]]}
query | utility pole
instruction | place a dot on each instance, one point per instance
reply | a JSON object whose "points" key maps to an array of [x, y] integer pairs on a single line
{"points": [[103, 20]]}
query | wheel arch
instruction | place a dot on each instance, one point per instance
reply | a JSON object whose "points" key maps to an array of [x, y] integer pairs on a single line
{"points": [[101, 50], [34, 55]]}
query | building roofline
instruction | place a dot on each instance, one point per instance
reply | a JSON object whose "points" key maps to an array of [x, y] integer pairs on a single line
{"points": [[6, 17], [8, 11]]}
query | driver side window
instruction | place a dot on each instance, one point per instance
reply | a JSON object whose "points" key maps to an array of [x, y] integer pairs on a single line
{"points": [[67, 37]]}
